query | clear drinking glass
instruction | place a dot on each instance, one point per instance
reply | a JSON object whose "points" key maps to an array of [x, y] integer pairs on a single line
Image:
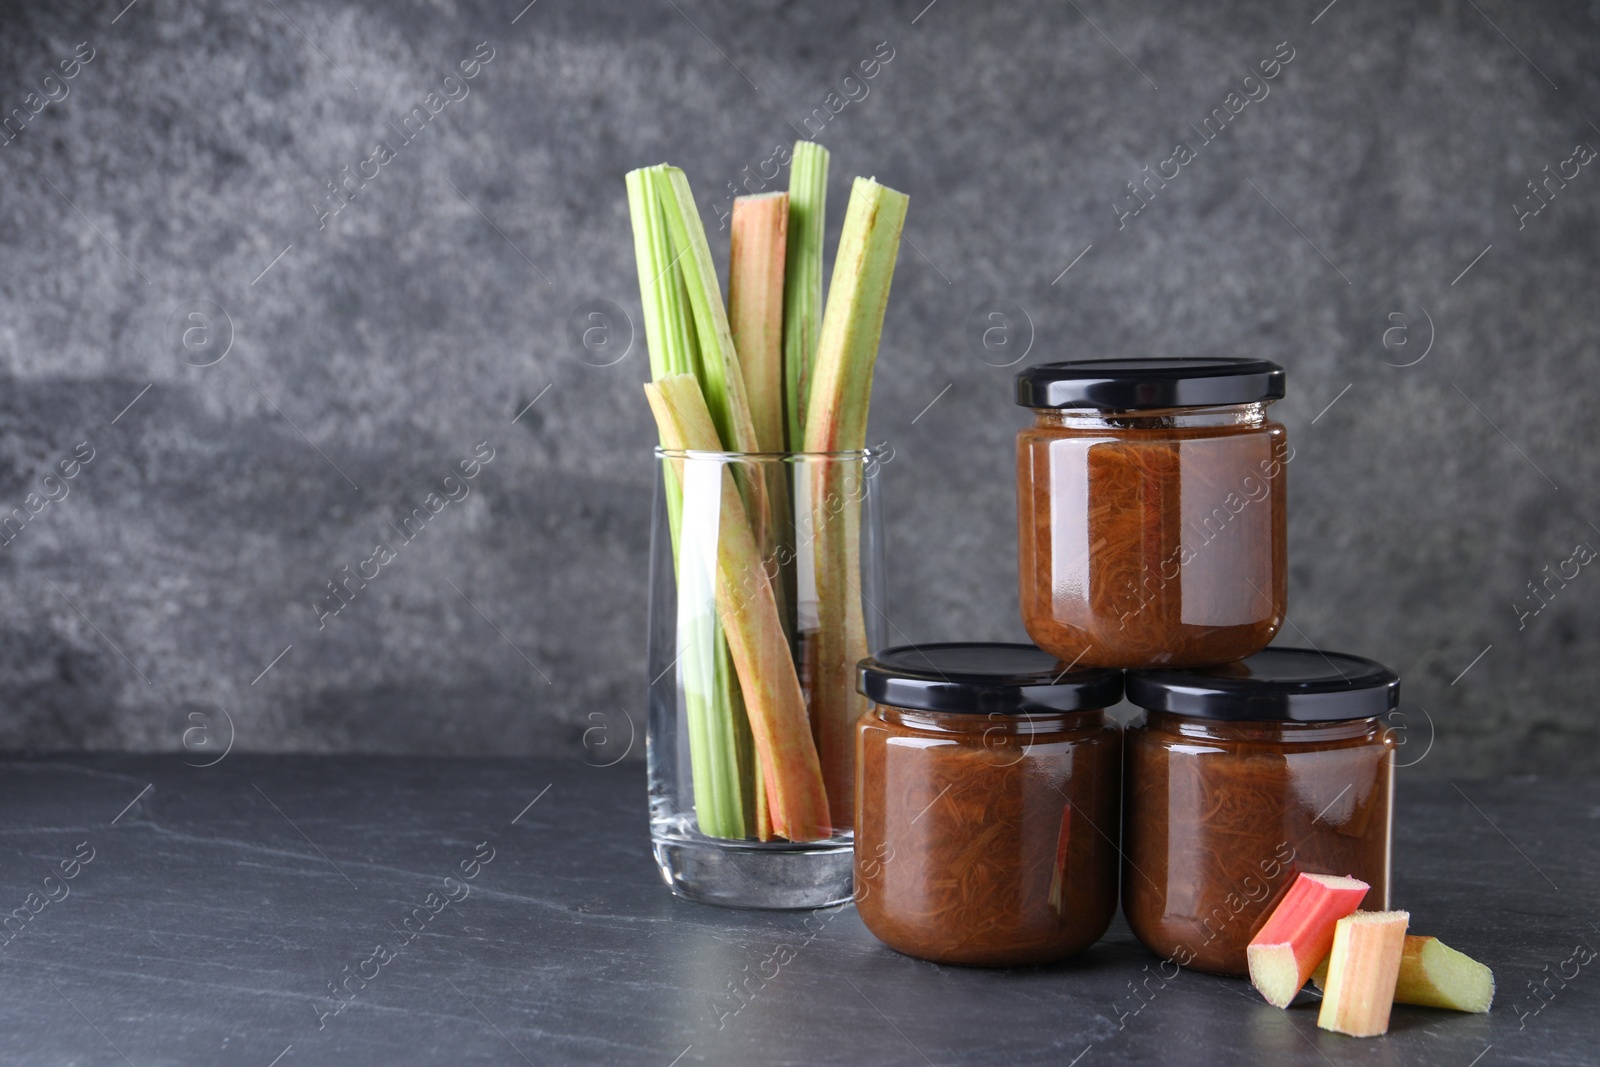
{"points": [[766, 589]]}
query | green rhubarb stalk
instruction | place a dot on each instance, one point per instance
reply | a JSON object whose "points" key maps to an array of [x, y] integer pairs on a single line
{"points": [[719, 371], [710, 696], [721, 768], [721, 377], [757, 820], [836, 421], [668, 337], [802, 281], [802, 318], [785, 750]]}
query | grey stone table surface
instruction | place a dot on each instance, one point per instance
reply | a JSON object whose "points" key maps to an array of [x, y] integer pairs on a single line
{"points": [[171, 913]]}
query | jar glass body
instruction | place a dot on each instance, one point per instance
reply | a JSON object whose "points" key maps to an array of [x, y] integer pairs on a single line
{"points": [[1152, 538], [1222, 816], [793, 540], [987, 839]]}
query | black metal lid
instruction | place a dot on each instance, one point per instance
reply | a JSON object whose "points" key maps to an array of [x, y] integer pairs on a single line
{"points": [[1132, 384], [981, 679], [1274, 685]]}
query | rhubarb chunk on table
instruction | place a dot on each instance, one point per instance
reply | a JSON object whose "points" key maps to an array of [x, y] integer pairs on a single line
{"points": [[1299, 934], [1363, 970], [1434, 975]]}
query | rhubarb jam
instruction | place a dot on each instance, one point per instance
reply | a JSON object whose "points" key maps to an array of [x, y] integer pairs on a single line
{"points": [[1240, 778], [1151, 510], [987, 804]]}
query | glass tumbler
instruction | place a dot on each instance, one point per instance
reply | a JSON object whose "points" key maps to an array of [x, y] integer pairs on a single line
{"points": [[766, 589]]}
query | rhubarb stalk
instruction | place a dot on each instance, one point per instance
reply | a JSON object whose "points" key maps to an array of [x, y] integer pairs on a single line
{"points": [[1363, 969], [786, 754], [755, 308], [721, 377], [720, 746], [755, 312], [802, 281], [1434, 975], [836, 421], [718, 369], [1299, 933], [755, 317]]}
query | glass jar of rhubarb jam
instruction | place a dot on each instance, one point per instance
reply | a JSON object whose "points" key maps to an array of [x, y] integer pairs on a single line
{"points": [[1241, 777], [1150, 508], [987, 803]]}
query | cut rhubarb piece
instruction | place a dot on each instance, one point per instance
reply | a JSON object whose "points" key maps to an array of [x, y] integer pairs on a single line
{"points": [[1299, 933], [1434, 975], [1363, 969]]}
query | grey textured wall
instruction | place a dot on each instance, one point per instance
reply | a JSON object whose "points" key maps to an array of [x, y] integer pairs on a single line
{"points": [[369, 350]]}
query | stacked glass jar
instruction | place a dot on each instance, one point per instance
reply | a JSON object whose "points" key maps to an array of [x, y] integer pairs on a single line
{"points": [[1151, 532]]}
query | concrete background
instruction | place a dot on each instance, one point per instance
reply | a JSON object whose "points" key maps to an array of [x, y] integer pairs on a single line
{"points": [[353, 358]]}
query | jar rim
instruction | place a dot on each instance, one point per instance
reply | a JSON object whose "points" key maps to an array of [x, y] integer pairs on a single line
{"points": [[1211, 722], [962, 723]]}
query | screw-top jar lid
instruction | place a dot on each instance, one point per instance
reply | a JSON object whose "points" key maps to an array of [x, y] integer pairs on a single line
{"points": [[980, 679], [1133, 384], [1274, 685]]}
